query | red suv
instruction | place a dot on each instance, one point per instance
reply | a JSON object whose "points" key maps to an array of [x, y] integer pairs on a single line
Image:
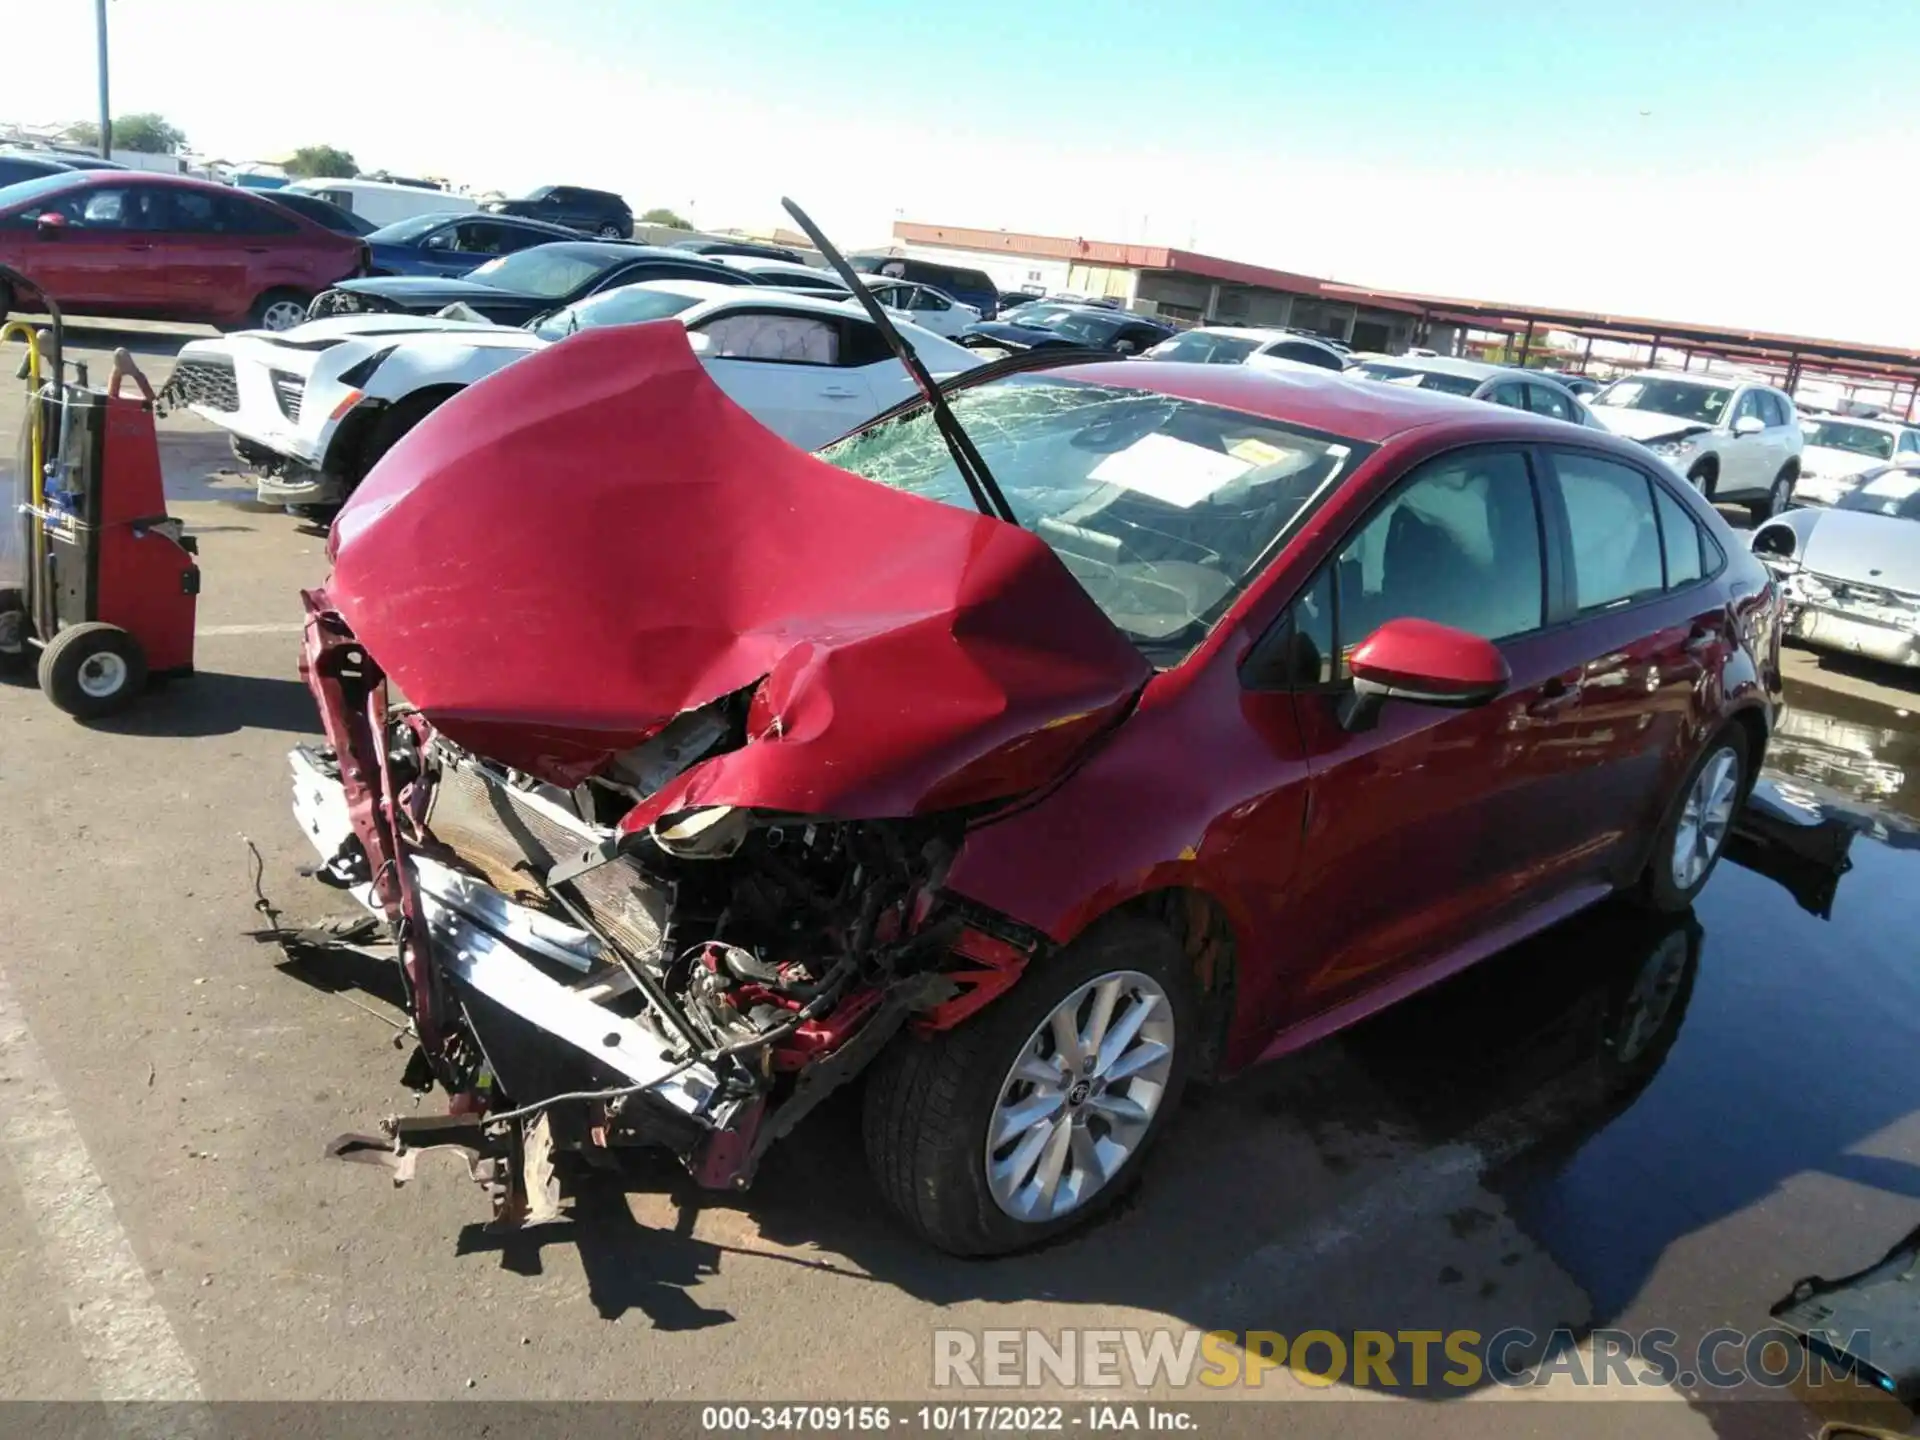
{"points": [[163, 247], [1217, 709]]}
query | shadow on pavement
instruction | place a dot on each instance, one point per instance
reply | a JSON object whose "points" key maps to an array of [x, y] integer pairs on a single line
{"points": [[208, 703], [1901, 679], [86, 334]]}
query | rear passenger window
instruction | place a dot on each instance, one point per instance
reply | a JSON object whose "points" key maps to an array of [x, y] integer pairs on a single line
{"points": [[1458, 544], [1616, 539], [1681, 540], [1544, 400]]}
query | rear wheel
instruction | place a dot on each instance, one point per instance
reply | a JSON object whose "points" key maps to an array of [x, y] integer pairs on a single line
{"points": [[279, 310], [1695, 830], [1037, 1113], [93, 670], [608, 232]]}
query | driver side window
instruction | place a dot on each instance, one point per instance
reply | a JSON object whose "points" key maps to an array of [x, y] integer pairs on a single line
{"points": [[1458, 543]]}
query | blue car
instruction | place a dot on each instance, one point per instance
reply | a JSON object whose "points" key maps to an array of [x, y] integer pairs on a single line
{"points": [[452, 243]]}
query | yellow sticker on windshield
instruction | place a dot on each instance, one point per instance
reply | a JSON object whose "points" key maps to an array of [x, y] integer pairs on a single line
{"points": [[1256, 452]]}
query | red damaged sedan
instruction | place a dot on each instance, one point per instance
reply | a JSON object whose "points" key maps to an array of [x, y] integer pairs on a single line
{"points": [[1186, 715]]}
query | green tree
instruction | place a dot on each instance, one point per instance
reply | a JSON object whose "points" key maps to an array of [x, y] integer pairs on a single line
{"points": [[311, 160], [660, 215], [146, 132]]}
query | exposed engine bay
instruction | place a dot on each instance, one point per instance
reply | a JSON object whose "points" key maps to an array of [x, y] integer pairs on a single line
{"points": [[708, 977]]}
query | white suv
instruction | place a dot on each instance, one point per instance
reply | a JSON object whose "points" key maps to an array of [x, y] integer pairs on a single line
{"points": [[1736, 440]]}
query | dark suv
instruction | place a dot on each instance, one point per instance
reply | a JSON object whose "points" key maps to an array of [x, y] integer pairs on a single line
{"points": [[599, 213]]}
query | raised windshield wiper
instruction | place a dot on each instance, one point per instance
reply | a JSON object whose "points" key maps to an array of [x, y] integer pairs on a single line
{"points": [[966, 458]]}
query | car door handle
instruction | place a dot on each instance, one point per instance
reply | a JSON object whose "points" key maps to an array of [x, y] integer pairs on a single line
{"points": [[259, 249], [139, 245], [1701, 639], [1556, 693], [839, 392]]}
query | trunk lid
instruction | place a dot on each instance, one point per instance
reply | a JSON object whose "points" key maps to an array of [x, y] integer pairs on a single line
{"points": [[570, 553]]}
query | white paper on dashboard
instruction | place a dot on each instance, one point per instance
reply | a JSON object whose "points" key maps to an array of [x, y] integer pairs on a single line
{"points": [[1170, 470]]}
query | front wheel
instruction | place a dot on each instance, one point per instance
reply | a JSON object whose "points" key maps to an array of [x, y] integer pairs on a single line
{"points": [[608, 232], [1776, 501], [1036, 1114], [1695, 830], [1705, 479]]}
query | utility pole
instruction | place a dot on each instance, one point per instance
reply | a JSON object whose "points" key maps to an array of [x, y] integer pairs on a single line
{"points": [[106, 116]]}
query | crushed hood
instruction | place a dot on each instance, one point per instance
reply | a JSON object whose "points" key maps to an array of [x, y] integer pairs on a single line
{"points": [[1645, 424], [1877, 550], [568, 554]]}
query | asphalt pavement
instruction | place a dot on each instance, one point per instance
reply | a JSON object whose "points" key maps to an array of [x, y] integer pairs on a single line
{"points": [[1488, 1156]]}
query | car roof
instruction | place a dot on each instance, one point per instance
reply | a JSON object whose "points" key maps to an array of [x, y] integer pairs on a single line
{"points": [[694, 289], [1327, 400], [1444, 365], [614, 250], [1724, 382], [766, 265], [1255, 332], [1872, 422]]}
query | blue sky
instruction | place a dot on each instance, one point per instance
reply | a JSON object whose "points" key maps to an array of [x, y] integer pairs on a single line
{"points": [[1454, 146]]}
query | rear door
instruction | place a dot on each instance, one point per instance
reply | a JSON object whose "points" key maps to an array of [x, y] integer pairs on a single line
{"points": [[1649, 628], [207, 258], [790, 369], [1436, 825]]}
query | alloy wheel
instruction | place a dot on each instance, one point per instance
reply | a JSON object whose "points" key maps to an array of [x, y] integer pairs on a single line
{"points": [[1080, 1097], [282, 315], [1704, 818]]}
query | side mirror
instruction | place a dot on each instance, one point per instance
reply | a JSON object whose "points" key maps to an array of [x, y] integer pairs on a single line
{"points": [[1424, 663], [1749, 425], [51, 223]]}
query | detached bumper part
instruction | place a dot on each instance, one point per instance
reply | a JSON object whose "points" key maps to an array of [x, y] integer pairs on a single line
{"points": [[506, 951]]}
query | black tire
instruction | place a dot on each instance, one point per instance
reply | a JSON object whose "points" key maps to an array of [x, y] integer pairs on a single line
{"points": [[1658, 888], [271, 311], [392, 426], [929, 1101], [609, 232], [1777, 497], [1705, 477], [93, 670], [6, 300]]}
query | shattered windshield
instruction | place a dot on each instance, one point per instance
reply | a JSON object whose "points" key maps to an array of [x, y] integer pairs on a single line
{"points": [[1164, 509]]}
